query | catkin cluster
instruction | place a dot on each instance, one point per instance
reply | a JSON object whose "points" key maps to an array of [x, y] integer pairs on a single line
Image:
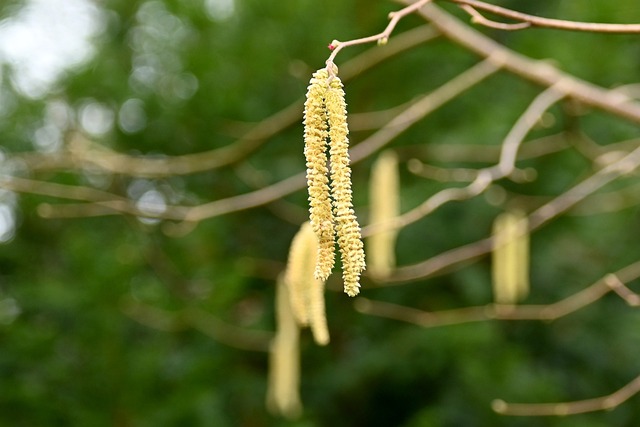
{"points": [[330, 198]]}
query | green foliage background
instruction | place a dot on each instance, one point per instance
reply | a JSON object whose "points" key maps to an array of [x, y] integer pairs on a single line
{"points": [[73, 357]]}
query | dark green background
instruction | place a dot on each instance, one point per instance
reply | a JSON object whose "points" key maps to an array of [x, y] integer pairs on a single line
{"points": [[72, 357]]}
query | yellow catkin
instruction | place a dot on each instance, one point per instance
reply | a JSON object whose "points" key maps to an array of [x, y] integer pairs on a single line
{"points": [[510, 264], [384, 197], [317, 313], [315, 139], [283, 394], [299, 272], [347, 227], [522, 254], [305, 291]]}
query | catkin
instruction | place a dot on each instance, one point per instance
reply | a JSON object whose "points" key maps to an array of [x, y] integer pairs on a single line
{"points": [[384, 201], [305, 291], [283, 395], [325, 117], [510, 263], [347, 227], [315, 138]]}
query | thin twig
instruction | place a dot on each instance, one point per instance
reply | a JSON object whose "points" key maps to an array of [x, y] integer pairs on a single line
{"points": [[608, 402], [474, 153], [537, 219], [540, 72], [478, 18], [196, 318], [536, 21], [422, 107], [394, 17], [485, 176], [547, 312], [622, 290]]}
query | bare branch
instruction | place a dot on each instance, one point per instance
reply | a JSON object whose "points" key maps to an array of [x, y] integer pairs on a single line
{"points": [[484, 177], [537, 219], [382, 38], [536, 21], [548, 312], [608, 402], [539, 72], [195, 318], [478, 18]]}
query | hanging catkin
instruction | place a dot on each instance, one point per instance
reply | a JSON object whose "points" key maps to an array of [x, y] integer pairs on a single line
{"points": [[305, 291], [347, 227], [283, 395], [325, 118], [510, 263], [315, 138], [384, 202]]}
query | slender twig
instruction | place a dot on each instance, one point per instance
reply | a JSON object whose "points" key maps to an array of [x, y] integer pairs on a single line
{"points": [[167, 321], [622, 290], [608, 402], [474, 153], [536, 21], [537, 219], [589, 295], [612, 201], [436, 173], [540, 72], [478, 18], [547, 312], [484, 177], [423, 106], [101, 202], [394, 17]]}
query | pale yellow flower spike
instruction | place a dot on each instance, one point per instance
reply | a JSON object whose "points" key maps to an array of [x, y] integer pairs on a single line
{"points": [[299, 272], [317, 313], [305, 291], [510, 264], [384, 200], [347, 228], [283, 394], [315, 135]]}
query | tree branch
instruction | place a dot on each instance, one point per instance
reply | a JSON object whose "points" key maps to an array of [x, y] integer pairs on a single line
{"points": [[536, 21], [539, 72], [484, 177], [608, 402], [382, 38], [223, 332], [548, 312]]}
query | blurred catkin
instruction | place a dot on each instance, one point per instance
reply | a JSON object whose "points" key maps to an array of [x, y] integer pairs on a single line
{"points": [[283, 395], [384, 202], [305, 291], [510, 263]]}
